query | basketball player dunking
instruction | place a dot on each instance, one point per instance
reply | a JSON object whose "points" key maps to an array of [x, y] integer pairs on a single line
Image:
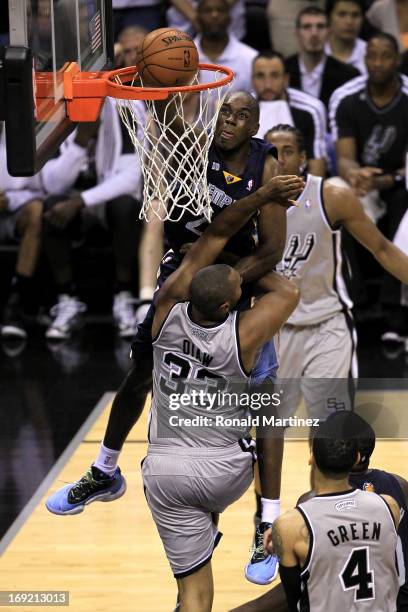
{"points": [[337, 550], [240, 166], [367, 479], [190, 473]]}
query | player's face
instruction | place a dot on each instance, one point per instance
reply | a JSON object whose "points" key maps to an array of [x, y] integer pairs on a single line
{"points": [[214, 18], [346, 21], [289, 157], [269, 79], [381, 61], [312, 33], [236, 123]]}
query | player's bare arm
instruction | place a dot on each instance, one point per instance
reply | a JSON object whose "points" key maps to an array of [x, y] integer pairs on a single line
{"points": [[271, 228], [204, 252], [394, 507], [288, 538], [344, 208], [266, 317]]}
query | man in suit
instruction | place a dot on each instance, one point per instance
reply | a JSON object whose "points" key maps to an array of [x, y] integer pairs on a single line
{"points": [[312, 70]]}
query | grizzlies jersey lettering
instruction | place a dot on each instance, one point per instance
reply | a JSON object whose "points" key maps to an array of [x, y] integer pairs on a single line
{"points": [[378, 481], [312, 258], [187, 356], [351, 560], [224, 188]]}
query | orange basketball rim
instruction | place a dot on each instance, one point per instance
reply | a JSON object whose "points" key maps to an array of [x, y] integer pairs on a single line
{"points": [[85, 92]]}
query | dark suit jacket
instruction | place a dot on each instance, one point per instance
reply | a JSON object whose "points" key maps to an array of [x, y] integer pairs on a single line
{"points": [[335, 74]]}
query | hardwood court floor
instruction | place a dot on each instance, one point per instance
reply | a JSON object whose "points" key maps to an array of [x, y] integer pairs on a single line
{"points": [[110, 557]]}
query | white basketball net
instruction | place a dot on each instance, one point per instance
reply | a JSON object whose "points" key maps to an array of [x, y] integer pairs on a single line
{"points": [[173, 161]]}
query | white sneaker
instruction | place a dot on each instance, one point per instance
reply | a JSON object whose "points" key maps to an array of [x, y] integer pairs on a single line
{"points": [[66, 315], [124, 314]]}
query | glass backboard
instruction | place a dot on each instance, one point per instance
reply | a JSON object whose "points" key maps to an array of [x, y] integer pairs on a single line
{"points": [[46, 36]]}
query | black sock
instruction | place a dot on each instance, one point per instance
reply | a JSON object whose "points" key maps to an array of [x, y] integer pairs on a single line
{"points": [[21, 286], [258, 512], [66, 288], [123, 286]]}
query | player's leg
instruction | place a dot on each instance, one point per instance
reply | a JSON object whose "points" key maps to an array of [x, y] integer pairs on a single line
{"points": [[263, 569], [150, 255], [57, 246], [328, 382], [196, 592], [26, 225], [272, 601], [104, 481], [122, 219]]}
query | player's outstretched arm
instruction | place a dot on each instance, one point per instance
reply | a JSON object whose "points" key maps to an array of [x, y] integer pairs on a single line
{"points": [[344, 208], [207, 248], [266, 317], [271, 230]]}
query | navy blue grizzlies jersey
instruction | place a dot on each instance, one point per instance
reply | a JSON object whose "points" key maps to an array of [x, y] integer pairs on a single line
{"points": [[224, 188], [381, 482]]}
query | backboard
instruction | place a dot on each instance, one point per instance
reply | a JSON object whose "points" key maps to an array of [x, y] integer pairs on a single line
{"points": [[46, 36]]}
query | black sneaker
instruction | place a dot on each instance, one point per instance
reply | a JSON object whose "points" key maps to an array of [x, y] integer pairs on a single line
{"points": [[93, 486], [13, 325]]}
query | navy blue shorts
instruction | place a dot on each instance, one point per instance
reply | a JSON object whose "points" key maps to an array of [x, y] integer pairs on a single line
{"points": [[265, 368]]}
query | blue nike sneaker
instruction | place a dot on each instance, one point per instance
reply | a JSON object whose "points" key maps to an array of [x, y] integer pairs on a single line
{"points": [[95, 485], [261, 569]]}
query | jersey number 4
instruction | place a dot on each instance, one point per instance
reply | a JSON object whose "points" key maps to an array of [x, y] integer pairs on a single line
{"points": [[357, 575]]}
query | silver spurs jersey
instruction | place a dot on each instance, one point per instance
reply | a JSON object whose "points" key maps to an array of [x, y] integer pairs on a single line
{"points": [[194, 369], [351, 563], [312, 258]]}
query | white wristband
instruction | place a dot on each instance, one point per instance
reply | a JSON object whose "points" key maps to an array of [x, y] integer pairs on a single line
{"points": [[270, 509], [146, 293]]}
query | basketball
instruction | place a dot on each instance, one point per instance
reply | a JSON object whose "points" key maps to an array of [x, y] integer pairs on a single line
{"points": [[167, 58]]}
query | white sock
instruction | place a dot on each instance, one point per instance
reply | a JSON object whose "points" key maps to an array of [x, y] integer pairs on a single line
{"points": [[107, 460], [270, 509]]}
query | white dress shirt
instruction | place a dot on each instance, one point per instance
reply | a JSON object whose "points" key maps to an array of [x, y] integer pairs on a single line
{"points": [[237, 56], [312, 81]]}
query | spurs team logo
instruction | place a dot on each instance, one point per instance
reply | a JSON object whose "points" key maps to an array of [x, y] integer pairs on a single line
{"points": [[297, 253], [381, 140]]}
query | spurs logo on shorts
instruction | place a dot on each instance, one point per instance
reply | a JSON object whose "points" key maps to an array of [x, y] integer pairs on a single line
{"points": [[297, 253]]}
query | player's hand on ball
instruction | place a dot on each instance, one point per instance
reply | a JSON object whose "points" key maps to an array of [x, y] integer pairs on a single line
{"points": [[283, 189]]}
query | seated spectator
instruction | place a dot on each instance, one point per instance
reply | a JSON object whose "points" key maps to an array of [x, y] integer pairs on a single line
{"points": [[346, 18], [270, 83], [216, 46], [114, 202], [281, 17], [369, 125], [183, 16], [312, 70], [21, 211], [148, 14], [128, 44], [391, 16]]}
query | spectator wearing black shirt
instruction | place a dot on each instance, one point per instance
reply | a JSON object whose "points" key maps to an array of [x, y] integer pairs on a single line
{"points": [[270, 84], [368, 118], [312, 70]]}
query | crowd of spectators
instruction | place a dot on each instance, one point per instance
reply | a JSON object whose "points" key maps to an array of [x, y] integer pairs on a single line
{"points": [[334, 69]]}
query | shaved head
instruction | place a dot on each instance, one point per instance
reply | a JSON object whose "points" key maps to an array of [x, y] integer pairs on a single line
{"points": [[247, 99], [213, 287]]}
